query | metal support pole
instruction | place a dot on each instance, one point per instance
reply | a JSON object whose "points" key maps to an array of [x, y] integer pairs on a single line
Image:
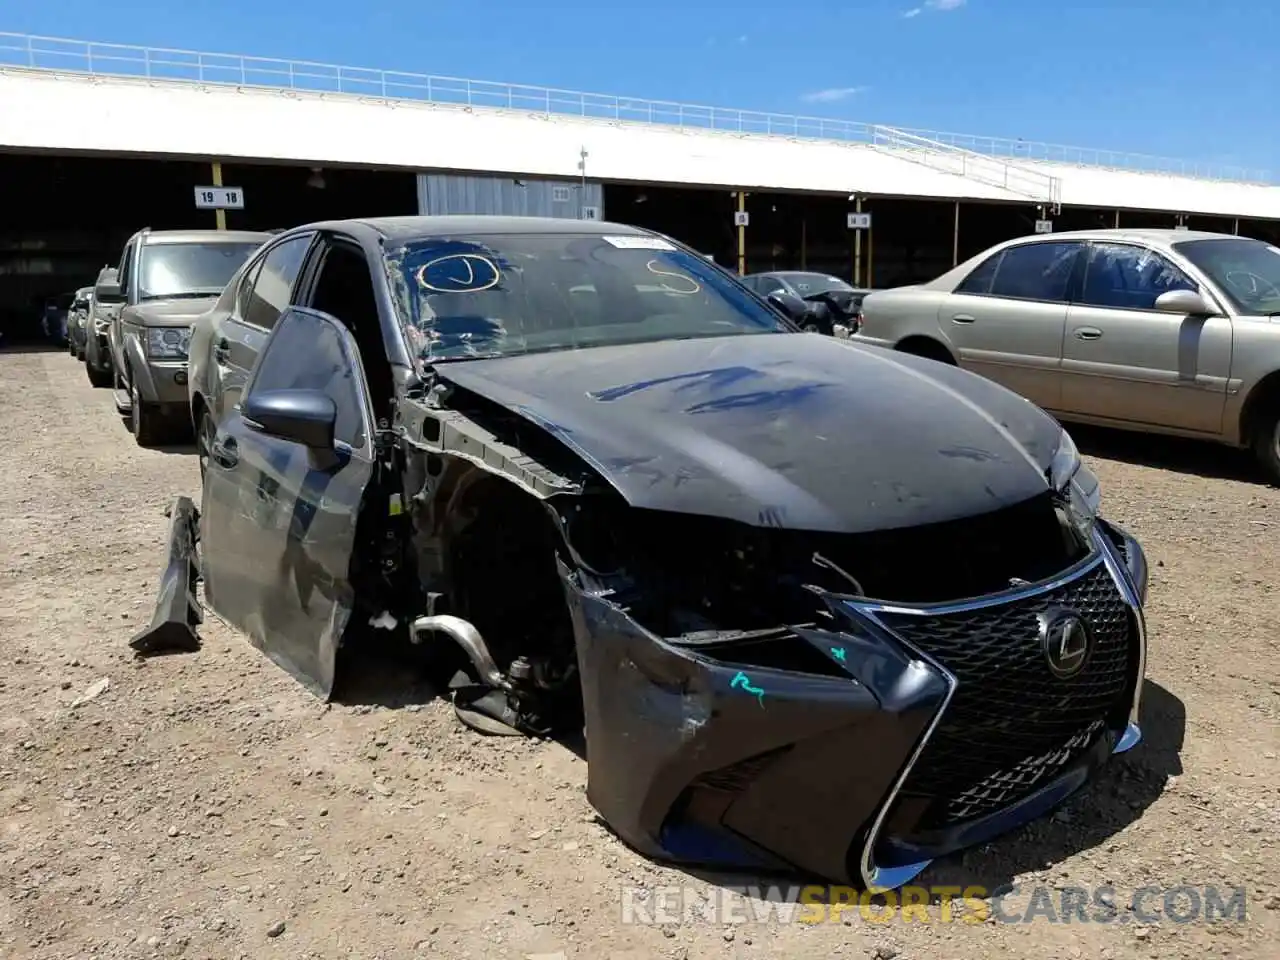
{"points": [[1236, 230], [742, 236], [955, 238], [857, 247], [871, 249], [1117, 219], [220, 215]]}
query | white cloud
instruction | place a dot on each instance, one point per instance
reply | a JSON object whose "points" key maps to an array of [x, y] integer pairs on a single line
{"points": [[940, 6], [832, 94]]}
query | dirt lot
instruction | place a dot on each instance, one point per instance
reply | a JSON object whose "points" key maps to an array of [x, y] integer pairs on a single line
{"points": [[205, 805]]}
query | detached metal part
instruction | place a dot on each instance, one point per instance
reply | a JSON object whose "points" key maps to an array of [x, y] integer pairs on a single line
{"points": [[468, 638], [177, 612]]}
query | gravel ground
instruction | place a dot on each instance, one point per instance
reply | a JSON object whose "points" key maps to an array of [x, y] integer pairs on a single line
{"points": [[205, 805]]}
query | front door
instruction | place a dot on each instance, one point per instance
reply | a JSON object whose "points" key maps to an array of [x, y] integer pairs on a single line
{"points": [[1127, 362], [1006, 319], [279, 520]]}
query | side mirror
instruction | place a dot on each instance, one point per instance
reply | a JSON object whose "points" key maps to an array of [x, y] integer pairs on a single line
{"points": [[303, 416], [107, 292], [791, 305], [1185, 302]]}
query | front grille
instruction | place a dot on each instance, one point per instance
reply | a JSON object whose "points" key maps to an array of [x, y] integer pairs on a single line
{"points": [[1012, 725]]}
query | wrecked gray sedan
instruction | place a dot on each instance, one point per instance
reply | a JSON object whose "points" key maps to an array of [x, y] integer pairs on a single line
{"points": [[819, 607]]}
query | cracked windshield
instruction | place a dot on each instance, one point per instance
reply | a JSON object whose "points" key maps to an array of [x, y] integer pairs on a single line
{"points": [[530, 293]]}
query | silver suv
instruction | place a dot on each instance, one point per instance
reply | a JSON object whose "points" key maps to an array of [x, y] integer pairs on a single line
{"points": [[166, 279]]}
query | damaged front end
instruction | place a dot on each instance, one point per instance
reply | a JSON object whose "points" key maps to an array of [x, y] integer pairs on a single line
{"points": [[869, 741]]}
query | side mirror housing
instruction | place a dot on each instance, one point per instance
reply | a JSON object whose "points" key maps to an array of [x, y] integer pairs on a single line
{"points": [[307, 417], [108, 292], [1185, 302], [791, 306]]}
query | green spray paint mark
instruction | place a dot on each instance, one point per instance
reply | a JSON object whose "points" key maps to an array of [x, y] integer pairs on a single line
{"points": [[743, 682]]}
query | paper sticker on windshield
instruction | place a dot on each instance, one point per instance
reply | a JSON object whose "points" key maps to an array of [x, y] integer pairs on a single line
{"points": [[640, 243]]}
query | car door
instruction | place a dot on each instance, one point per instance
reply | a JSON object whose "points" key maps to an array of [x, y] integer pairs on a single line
{"points": [[1006, 319], [128, 290], [1125, 361], [266, 290], [279, 520]]}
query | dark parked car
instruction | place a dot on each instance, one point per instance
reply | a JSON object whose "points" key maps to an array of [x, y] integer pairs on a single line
{"points": [[104, 304], [605, 486], [77, 319], [835, 305]]}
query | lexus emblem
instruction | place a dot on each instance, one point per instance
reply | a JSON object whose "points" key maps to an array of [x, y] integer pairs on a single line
{"points": [[1066, 642]]}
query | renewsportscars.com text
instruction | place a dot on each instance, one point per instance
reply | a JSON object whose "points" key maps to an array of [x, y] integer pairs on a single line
{"points": [[675, 904]]}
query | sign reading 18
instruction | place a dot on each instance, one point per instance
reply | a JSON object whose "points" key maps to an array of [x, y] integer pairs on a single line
{"points": [[230, 197]]}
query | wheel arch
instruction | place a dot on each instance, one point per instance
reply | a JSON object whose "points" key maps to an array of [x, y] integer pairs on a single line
{"points": [[931, 348]]}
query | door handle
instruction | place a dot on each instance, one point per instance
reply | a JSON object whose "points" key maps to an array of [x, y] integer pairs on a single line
{"points": [[962, 318], [1088, 333], [224, 453], [222, 350]]}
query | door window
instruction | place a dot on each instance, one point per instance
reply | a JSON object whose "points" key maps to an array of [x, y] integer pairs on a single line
{"points": [[979, 281], [1128, 277], [309, 353], [126, 268], [1036, 271], [245, 294], [273, 286]]}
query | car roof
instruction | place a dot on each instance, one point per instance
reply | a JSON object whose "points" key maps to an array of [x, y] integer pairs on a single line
{"points": [[205, 236], [1154, 236], [398, 230]]}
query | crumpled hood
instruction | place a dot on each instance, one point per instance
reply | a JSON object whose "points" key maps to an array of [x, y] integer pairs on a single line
{"points": [[788, 430], [170, 313]]}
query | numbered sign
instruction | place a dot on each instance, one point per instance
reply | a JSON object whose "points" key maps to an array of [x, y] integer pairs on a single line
{"points": [[1044, 226], [741, 218], [219, 198], [859, 221]]}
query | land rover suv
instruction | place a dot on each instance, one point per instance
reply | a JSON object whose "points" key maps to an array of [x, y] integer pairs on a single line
{"points": [[166, 279]]}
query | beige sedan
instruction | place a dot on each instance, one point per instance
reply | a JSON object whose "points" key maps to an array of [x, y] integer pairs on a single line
{"points": [[1166, 331]]}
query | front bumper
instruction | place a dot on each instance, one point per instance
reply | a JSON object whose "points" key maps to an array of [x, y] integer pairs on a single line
{"points": [[824, 750], [163, 383]]}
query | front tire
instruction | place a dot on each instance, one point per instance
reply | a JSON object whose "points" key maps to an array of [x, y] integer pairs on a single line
{"points": [[143, 420], [1266, 444]]}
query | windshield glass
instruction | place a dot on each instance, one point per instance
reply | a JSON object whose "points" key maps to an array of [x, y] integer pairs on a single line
{"points": [[527, 293], [812, 284], [1246, 271], [188, 269]]}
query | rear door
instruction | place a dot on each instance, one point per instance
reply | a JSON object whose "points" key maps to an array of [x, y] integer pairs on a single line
{"points": [[1123, 360], [1007, 318], [266, 290], [279, 520]]}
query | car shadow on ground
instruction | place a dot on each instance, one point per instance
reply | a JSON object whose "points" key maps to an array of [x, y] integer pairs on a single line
{"points": [[1122, 792], [391, 673], [1200, 458], [31, 346]]}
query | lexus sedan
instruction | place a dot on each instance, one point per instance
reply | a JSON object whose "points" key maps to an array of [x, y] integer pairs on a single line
{"points": [[602, 485], [1163, 331]]}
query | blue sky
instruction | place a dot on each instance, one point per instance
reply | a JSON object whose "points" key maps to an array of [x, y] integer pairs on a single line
{"points": [[1182, 78]]}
